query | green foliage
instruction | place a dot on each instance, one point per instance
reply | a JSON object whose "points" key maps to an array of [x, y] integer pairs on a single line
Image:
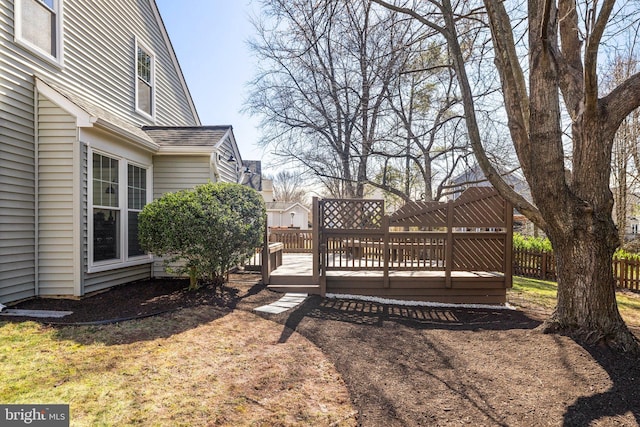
{"points": [[530, 243], [621, 253], [204, 231], [540, 244]]}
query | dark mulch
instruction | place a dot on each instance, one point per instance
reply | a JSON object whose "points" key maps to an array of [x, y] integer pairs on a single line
{"points": [[419, 366], [149, 297]]}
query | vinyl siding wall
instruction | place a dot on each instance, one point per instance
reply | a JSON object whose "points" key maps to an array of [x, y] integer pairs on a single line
{"points": [[99, 65], [17, 182], [100, 59], [175, 173], [58, 264]]}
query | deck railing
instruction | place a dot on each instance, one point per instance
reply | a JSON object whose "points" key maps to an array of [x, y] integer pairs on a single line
{"points": [[472, 233], [294, 241], [413, 250]]}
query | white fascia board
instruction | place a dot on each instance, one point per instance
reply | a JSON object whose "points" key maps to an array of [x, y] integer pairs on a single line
{"points": [[83, 117], [186, 150]]}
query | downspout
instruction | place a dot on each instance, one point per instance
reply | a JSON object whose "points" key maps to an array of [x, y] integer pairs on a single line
{"points": [[36, 171]]}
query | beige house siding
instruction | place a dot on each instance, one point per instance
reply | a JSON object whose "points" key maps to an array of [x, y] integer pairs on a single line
{"points": [[229, 171], [86, 102], [175, 173], [17, 183], [58, 238], [100, 59], [107, 279]]}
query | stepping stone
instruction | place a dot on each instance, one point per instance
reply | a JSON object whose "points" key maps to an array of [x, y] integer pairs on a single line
{"points": [[34, 313], [287, 302]]}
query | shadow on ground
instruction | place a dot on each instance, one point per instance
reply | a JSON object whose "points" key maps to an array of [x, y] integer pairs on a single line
{"points": [[420, 317], [414, 366], [621, 398]]}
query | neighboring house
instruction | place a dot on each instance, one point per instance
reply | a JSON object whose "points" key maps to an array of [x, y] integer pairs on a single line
{"points": [[97, 120], [287, 215], [251, 175], [267, 190], [632, 212]]}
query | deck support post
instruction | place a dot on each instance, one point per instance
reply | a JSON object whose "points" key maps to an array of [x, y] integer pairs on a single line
{"points": [[508, 246], [315, 246], [386, 254], [448, 262]]}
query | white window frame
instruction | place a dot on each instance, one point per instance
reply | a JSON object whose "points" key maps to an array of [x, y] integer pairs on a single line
{"points": [[124, 260], [58, 58], [140, 45]]}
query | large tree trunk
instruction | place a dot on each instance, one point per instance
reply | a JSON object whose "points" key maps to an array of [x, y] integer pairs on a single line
{"points": [[586, 306], [584, 239]]}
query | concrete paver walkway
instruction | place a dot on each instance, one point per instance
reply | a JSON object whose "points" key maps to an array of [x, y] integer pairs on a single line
{"points": [[288, 301]]}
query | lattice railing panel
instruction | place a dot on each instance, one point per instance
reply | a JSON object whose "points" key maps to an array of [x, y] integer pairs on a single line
{"points": [[479, 253], [479, 207], [420, 214], [347, 214]]}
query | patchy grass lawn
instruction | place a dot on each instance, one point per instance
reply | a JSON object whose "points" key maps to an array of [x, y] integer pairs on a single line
{"points": [[210, 370], [528, 292]]}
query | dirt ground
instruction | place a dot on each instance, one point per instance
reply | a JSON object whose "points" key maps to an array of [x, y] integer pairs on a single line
{"points": [[417, 366]]}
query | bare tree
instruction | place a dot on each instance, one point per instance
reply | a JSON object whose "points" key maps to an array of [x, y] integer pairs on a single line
{"points": [[625, 159], [289, 186], [424, 102], [321, 90], [574, 207]]}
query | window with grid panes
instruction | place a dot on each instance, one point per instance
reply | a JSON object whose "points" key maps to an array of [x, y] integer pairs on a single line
{"points": [[144, 81]]}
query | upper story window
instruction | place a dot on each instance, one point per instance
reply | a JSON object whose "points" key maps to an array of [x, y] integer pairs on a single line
{"points": [[145, 85], [38, 26]]}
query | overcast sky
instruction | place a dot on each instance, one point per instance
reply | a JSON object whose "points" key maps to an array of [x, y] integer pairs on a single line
{"points": [[210, 40]]}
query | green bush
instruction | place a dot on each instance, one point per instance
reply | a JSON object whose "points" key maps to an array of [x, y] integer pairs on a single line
{"points": [[540, 244], [530, 243], [205, 231]]}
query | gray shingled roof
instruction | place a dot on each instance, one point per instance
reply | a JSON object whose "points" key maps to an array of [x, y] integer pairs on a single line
{"points": [[192, 136]]}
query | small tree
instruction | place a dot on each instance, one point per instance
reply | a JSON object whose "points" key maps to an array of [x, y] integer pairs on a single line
{"points": [[205, 231]]}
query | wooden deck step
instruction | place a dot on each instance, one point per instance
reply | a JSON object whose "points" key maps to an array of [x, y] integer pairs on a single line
{"points": [[305, 289]]}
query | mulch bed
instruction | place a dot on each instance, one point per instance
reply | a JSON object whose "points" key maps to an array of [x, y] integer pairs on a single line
{"points": [[148, 298], [416, 366]]}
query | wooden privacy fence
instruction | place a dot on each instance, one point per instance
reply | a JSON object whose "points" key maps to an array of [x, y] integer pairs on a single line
{"points": [[542, 265], [534, 264], [459, 251]]}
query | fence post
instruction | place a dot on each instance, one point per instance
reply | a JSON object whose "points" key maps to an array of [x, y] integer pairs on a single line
{"points": [[448, 262], [543, 266]]}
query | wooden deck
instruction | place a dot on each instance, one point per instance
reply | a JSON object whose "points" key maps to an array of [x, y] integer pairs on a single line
{"points": [[457, 251], [482, 287]]}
